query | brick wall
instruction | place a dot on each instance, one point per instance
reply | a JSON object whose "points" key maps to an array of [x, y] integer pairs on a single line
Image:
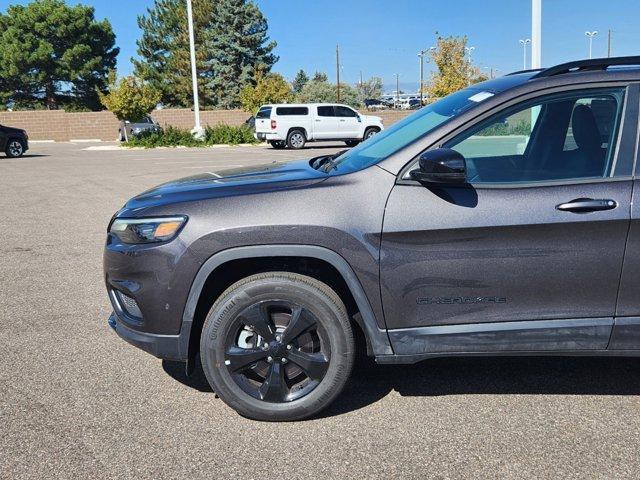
{"points": [[64, 126]]}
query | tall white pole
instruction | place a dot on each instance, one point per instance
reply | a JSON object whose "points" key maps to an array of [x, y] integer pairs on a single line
{"points": [[590, 35], [536, 33], [197, 129], [524, 48]]}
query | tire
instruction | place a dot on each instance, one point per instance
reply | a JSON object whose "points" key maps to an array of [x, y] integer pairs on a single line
{"points": [[278, 144], [296, 139], [14, 148], [352, 143], [277, 378], [370, 132]]}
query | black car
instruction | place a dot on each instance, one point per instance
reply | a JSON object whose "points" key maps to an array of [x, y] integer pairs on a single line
{"points": [[499, 220], [13, 141]]}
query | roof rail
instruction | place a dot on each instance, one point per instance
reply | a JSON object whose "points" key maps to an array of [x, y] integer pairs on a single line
{"points": [[587, 65], [528, 70]]}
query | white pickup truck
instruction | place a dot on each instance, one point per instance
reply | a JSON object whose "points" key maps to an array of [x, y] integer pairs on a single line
{"points": [[293, 125]]}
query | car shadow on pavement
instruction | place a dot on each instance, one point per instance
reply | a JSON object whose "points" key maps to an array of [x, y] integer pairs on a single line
{"points": [[370, 383], [26, 155]]}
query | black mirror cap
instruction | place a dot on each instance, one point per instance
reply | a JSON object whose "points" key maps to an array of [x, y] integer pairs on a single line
{"points": [[441, 165]]}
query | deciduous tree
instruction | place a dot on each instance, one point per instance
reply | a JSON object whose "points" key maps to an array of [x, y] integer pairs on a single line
{"points": [[270, 88], [371, 88], [454, 71], [325, 92], [129, 98]]}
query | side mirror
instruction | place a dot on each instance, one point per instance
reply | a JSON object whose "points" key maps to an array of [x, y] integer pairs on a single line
{"points": [[441, 165]]}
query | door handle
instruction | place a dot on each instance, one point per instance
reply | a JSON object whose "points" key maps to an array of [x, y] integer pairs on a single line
{"points": [[586, 205], [343, 120]]}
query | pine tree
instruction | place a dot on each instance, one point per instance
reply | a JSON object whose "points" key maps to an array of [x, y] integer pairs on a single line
{"points": [[164, 50], [53, 55], [240, 46], [320, 77], [300, 81], [231, 44]]}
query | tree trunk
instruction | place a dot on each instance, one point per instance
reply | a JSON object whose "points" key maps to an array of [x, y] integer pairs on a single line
{"points": [[50, 96]]}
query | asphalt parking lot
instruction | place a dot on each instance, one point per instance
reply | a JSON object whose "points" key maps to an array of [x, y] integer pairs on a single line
{"points": [[76, 401]]}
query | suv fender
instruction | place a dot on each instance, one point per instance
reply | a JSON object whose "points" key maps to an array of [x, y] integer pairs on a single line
{"points": [[376, 337]]}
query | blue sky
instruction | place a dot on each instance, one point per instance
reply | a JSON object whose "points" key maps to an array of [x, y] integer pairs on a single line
{"points": [[383, 37]]}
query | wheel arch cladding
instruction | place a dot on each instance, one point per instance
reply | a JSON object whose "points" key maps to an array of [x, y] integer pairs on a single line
{"points": [[377, 339]]}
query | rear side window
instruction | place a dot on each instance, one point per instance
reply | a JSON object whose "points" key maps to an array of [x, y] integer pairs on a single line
{"points": [[264, 112], [326, 112], [283, 111], [345, 112]]}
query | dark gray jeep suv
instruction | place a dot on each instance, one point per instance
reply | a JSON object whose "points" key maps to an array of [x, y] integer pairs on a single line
{"points": [[497, 221]]}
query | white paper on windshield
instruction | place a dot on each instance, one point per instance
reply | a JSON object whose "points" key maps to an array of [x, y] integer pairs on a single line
{"points": [[478, 97]]}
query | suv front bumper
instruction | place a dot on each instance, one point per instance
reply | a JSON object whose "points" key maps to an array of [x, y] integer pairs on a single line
{"points": [[167, 347]]}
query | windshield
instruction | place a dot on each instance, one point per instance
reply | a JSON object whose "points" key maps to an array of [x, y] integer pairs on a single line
{"points": [[409, 129]]}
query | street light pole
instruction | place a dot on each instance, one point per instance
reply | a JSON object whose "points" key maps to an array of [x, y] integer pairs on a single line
{"points": [[524, 43], [536, 34], [590, 36], [338, 71], [397, 90], [421, 55], [198, 132], [469, 50]]}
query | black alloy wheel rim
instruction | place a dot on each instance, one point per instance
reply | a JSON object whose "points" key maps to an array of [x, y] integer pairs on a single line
{"points": [[15, 147], [277, 351]]}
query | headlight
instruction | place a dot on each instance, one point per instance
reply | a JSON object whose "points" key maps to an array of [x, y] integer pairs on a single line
{"points": [[147, 230], [137, 130]]}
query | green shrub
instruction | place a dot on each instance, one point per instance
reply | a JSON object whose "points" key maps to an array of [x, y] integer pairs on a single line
{"points": [[229, 135], [176, 137]]}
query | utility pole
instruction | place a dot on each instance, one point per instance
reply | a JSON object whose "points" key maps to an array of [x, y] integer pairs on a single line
{"points": [[524, 42], [338, 70], [609, 44], [590, 36], [197, 131], [536, 34]]}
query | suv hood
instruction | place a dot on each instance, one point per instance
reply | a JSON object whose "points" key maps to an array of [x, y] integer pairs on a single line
{"points": [[230, 182]]}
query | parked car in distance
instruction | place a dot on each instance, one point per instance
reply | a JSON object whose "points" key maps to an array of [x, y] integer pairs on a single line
{"points": [[131, 129], [293, 125], [498, 220], [377, 104], [14, 142], [413, 104]]}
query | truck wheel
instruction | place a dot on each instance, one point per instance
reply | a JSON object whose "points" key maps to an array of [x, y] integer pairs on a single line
{"points": [[277, 346], [352, 143], [296, 139], [15, 148], [278, 144], [370, 132]]}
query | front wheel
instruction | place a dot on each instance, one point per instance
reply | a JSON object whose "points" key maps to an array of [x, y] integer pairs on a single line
{"points": [[277, 346], [370, 132], [15, 148]]}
